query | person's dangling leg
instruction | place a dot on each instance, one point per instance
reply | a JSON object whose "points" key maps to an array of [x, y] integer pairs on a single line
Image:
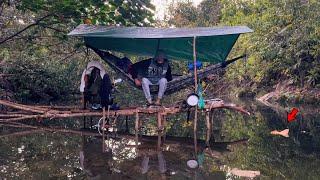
{"points": [[146, 89], [162, 88]]}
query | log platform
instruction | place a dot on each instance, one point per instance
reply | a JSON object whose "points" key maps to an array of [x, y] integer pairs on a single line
{"points": [[21, 113]]}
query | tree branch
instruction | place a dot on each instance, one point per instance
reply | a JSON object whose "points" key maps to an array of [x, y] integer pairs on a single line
{"points": [[55, 29], [24, 29]]}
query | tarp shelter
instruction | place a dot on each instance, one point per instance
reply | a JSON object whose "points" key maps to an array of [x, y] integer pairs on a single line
{"points": [[213, 44]]}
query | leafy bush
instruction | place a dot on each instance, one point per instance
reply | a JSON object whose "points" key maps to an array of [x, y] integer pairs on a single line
{"points": [[36, 79]]}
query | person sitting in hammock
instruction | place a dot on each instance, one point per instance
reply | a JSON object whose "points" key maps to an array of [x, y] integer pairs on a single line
{"points": [[153, 71]]}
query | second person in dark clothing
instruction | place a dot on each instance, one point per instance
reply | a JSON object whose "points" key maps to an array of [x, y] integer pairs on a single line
{"points": [[154, 71]]}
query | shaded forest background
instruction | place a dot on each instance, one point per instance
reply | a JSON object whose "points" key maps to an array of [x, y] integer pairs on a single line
{"points": [[39, 62]]}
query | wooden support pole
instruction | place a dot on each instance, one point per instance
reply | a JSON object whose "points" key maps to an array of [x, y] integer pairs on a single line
{"points": [[195, 90], [195, 124], [84, 122], [160, 129], [91, 122], [159, 122], [159, 142], [195, 65], [208, 124], [164, 122], [137, 127], [103, 128], [127, 125]]}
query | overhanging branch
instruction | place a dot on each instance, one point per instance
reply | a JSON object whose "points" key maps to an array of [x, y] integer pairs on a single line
{"points": [[24, 29]]}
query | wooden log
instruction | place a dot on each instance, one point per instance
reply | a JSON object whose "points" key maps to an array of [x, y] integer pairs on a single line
{"points": [[221, 104], [16, 112], [59, 107], [21, 107], [11, 115], [127, 112]]}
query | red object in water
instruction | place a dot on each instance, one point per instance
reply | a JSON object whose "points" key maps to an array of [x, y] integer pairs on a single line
{"points": [[292, 115]]}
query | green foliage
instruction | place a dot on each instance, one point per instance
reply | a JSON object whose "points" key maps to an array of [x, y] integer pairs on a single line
{"points": [[186, 15], [285, 44], [37, 79], [42, 61], [99, 12]]}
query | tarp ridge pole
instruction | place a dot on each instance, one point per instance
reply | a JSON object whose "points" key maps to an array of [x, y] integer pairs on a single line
{"points": [[195, 65]]}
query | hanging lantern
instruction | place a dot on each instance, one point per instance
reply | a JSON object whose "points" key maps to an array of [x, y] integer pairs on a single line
{"points": [[192, 99]]}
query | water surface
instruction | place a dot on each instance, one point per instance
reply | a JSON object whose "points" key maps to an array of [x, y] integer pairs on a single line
{"points": [[47, 155]]}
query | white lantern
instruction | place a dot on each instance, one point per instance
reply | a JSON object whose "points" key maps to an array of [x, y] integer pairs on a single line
{"points": [[192, 99]]}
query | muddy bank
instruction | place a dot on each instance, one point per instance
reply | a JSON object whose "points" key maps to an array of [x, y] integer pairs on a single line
{"points": [[286, 92]]}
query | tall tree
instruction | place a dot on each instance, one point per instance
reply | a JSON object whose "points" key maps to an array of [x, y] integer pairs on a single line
{"points": [[184, 14]]}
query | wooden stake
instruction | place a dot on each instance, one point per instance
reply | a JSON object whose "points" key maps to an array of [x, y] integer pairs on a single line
{"points": [[195, 65], [164, 122], [208, 128], [103, 127], [137, 127], [195, 130], [159, 120], [159, 142]]}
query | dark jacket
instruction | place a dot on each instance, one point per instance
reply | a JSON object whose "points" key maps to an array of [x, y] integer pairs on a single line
{"points": [[140, 70]]}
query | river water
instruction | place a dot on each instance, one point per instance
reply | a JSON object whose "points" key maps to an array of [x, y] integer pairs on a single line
{"points": [[239, 141]]}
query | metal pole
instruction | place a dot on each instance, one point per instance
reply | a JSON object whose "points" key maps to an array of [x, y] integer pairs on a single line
{"points": [[195, 65]]}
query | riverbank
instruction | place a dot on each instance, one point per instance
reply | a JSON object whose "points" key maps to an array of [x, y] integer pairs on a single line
{"points": [[284, 92]]}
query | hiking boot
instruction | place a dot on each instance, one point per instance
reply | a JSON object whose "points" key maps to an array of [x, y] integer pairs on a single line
{"points": [[148, 104], [158, 102]]}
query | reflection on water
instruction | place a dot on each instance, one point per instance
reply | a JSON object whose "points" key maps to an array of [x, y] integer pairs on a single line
{"points": [[242, 142]]}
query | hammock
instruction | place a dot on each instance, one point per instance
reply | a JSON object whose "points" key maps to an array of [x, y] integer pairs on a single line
{"points": [[176, 84], [208, 44]]}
